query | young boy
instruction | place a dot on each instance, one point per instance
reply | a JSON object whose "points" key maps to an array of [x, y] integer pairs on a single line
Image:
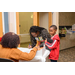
{"points": [[54, 53]]}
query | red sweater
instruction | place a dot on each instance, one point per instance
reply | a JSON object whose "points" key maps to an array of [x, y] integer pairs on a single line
{"points": [[54, 54], [0, 39]]}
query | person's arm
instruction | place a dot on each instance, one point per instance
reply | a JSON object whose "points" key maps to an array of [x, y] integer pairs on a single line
{"points": [[28, 56], [42, 44], [47, 48], [19, 55], [33, 41], [51, 46]]}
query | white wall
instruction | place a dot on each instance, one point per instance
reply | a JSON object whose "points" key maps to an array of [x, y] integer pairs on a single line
{"points": [[55, 20], [12, 22], [43, 19]]}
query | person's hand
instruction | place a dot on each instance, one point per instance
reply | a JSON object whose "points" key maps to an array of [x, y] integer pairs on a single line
{"points": [[46, 40], [39, 48], [29, 46]]}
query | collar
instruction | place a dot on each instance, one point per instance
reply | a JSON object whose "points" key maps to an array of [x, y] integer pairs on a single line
{"points": [[53, 36]]}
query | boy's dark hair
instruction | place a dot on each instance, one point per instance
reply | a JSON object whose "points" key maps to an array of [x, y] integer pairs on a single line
{"points": [[10, 40], [54, 26]]}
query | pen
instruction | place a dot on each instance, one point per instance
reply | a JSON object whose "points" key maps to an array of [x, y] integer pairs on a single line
{"points": [[29, 44]]}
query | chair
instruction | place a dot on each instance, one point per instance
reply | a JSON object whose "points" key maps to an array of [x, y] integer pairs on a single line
{"points": [[5, 60]]}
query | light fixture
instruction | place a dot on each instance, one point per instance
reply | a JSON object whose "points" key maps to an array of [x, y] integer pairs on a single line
{"points": [[31, 16]]}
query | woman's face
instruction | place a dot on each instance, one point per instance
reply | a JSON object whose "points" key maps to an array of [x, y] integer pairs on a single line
{"points": [[34, 34]]}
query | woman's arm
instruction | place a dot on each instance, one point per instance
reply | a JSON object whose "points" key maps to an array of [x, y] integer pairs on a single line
{"points": [[33, 43], [28, 56], [19, 55]]}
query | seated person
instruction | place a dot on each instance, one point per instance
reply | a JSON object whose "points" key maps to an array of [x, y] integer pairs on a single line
{"points": [[8, 48]]}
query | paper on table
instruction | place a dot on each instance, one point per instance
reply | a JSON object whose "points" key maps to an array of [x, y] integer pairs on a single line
{"points": [[24, 49], [40, 54], [37, 57]]}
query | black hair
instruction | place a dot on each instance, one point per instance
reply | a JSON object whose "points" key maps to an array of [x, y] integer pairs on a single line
{"points": [[54, 27], [35, 29], [10, 40]]}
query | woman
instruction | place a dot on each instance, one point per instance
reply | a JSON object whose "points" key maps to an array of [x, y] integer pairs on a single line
{"points": [[37, 33], [8, 48]]}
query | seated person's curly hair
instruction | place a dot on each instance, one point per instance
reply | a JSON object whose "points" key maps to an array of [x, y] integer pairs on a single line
{"points": [[10, 40]]}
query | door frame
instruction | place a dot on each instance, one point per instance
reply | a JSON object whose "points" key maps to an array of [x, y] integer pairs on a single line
{"points": [[49, 20], [1, 25]]}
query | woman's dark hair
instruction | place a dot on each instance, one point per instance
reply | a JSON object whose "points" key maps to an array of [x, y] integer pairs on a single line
{"points": [[35, 29], [10, 40]]}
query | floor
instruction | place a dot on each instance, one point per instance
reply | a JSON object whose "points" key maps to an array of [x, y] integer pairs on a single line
{"points": [[67, 55]]}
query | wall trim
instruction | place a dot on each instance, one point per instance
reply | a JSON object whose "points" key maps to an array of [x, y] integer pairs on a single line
{"points": [[50, 19], [3, 22], [1, 25]]}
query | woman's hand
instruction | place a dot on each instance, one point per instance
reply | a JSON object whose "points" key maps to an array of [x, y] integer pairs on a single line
{"points": [[29, 46]]}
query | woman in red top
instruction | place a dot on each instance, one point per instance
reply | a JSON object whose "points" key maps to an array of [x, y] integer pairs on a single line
{"points": [[54, 54]]}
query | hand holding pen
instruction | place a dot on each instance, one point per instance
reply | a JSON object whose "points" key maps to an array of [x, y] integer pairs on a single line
{"points": [[29, 46]]}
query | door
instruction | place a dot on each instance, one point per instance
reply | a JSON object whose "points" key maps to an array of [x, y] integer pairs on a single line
{"points": [[25, 22]]}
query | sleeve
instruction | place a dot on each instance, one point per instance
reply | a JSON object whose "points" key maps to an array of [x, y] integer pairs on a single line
{"points": [[28, 56], [33, 43], [42, 44], [47, 48], [51, 45], [19, 55]]}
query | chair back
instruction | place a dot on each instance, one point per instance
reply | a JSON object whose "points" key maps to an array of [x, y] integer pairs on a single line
{"points": [[5, 60]]}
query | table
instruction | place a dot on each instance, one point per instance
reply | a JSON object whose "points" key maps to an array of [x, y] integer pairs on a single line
{"points": [[39, 57]]}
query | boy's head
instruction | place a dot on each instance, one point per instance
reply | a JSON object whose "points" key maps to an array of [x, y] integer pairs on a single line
{"points": [[52, 30]]}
